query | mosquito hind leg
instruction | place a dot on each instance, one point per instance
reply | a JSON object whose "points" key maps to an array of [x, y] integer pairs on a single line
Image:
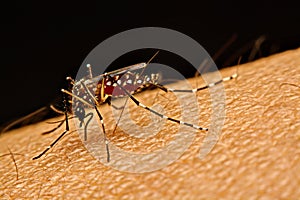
{"points": [[159, 114], [165, 89], [206, 86]]}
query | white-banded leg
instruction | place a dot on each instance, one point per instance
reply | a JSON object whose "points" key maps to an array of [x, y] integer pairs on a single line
{"points": [[67, 123], [159, 114], [165, 89], [100, 117], [204, 87], [66, 131]]}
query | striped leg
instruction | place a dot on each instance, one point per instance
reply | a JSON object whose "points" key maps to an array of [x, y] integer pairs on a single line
{"points": [[55, 141], [100, 117], [204, 87], [97, 111], [158, 114]]}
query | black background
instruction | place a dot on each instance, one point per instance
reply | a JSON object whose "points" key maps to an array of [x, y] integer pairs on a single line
{"points": [[45, 41]]}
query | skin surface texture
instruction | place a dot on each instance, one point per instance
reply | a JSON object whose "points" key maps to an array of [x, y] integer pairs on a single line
{"points": [[257, 155]]}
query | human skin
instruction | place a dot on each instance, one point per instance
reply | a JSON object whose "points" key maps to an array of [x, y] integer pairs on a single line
{"points": [[257, 155]]}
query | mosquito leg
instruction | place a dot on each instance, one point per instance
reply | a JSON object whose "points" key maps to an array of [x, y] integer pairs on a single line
{"points": [[104, 133], [71, 82], [86, 125], [206, 86], [158, 114], [101, 119], [163, 88], [98, 113], [55, 141], [58, 121], [52, 107], [120, 116], [54, 129], [109, 99], [117, 108]]}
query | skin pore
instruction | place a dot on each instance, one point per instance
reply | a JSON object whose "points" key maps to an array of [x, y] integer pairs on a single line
{"points": [[257, 155]]}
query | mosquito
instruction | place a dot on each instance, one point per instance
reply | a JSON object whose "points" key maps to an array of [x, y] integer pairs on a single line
{"points": [[124, 82]]}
